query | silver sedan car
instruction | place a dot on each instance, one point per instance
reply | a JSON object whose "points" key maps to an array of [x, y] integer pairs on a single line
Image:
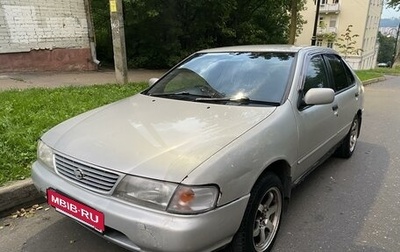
{"points": [[205, 157]]}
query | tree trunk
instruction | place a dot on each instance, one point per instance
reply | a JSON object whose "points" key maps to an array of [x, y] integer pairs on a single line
{"points": [[293, 21]]}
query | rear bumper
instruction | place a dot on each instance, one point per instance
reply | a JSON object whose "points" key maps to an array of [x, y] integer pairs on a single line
{"points": [[143, 229]]}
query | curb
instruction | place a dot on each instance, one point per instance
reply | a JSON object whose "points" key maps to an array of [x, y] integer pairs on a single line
{"points": [[22, 193], [375, 80], [18, 194]]}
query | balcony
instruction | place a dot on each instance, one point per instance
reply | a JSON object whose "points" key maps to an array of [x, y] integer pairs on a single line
{"points": [[329, 8], [326, 30]]}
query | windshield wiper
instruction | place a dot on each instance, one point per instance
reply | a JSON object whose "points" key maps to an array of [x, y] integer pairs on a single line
{"points": [[241, 100], [200, 96]]}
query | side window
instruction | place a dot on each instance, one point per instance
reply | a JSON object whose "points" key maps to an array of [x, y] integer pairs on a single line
{"points": [[315, 74], [342, 76], [350, 77]]}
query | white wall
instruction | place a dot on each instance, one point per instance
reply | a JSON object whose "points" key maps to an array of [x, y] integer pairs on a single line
{"points": [[27, 25]]}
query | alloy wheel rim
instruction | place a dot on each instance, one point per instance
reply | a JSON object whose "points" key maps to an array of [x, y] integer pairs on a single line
{"points": [[267, 219], [353, 135]]}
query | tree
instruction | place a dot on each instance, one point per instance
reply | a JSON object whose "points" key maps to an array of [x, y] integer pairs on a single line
{"points": [[296, 20], [386, 48], [160, 32], [346, 43], [395, 4], [293, 22], [101, 20]]}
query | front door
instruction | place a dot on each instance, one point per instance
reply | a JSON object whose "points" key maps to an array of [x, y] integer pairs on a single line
{"points": [[316, 123]]}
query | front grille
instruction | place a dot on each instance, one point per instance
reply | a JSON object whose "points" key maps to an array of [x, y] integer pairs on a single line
{"points": [[86, 175]]}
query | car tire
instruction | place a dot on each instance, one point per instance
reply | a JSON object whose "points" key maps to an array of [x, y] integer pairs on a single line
{"points": [[347, 147], [261, 221]]}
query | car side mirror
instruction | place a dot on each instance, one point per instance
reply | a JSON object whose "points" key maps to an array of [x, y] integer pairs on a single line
{"points": [[319, 96], [152, 81]]}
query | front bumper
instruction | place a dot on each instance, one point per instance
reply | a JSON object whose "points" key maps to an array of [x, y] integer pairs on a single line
{"points": [[143, 229]]}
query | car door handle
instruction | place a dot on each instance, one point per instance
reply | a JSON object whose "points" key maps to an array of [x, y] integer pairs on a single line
{"points": [[357, 94], [335, 107]]}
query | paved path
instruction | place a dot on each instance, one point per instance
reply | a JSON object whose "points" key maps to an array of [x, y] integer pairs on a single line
{"points": [[55, 79]]}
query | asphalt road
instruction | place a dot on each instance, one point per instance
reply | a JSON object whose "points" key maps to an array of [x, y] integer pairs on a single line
{"points": [[353, 205], [344, 205]]}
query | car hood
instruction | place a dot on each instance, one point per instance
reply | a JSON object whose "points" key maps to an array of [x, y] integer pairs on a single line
{"points": [[153, 137]]}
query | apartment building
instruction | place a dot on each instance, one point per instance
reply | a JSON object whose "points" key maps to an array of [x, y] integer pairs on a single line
{"points": [[334, 18]]}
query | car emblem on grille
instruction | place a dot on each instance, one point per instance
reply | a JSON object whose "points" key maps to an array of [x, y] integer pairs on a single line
{"points": [[78, 174]]}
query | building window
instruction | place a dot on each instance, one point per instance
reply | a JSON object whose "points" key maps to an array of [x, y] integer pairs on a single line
{"points": [[330, 44], [332, 22], [319, 42], [321, 21], [335, 1]]}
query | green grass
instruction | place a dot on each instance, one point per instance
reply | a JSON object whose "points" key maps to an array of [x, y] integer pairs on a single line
{"points": [[26, 114], [368, 74], [388, 71], [377, 72]]}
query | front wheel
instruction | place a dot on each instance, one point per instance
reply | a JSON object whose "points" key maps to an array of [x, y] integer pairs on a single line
{"points": [[262, 218]]}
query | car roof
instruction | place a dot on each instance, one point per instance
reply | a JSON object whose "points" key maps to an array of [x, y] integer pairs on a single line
{"points": [[268, 48]]}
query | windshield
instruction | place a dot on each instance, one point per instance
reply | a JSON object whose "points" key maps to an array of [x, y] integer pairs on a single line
{"points": [[244, 76]]}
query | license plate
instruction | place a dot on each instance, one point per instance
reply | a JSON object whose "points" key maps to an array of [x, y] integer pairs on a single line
{"points": [[76, 210]]}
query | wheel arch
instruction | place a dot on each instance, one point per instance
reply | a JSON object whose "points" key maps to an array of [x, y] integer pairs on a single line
{"points": [[282, 169]]}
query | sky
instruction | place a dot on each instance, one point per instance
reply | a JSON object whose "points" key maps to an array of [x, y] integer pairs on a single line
{"points": [[389, 13]]}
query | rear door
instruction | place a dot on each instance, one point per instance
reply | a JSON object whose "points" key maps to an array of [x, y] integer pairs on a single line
{"points": [[346, 93]]}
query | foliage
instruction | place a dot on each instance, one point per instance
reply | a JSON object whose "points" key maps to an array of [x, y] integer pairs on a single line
{"points": [[301, 5], [102, 24], [386, 48], [296, 19], [160, 32], [25, 115], [395, 4], [346, 43], [329, 36]]}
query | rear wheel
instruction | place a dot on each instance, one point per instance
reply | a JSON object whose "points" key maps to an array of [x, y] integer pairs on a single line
{"points": [[349, 143], [262, 218]]}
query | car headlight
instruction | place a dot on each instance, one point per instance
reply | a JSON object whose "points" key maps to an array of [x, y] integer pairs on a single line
{"points": [[167, 196], [150, 193], [45, 155]]}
